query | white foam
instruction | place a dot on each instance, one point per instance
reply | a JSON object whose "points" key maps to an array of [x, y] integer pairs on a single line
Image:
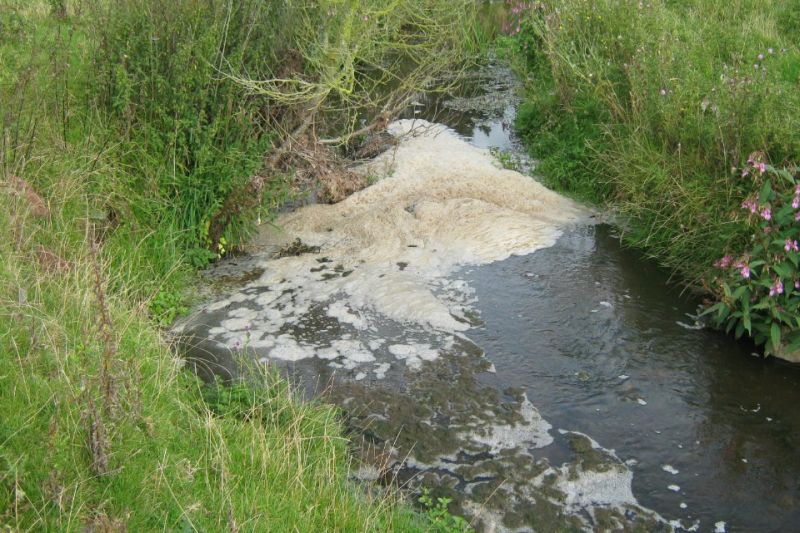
{"points": [[441, 204], [590, 489], [669, 469], [235, 324], [533, 431], [340, 312], [288, 349]]}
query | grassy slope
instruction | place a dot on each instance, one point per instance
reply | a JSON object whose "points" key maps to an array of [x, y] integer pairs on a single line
{"points": [[648, 107], [99, 426]]}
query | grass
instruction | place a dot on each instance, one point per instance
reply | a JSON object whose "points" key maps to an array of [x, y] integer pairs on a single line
{"points": [[653, 108], [101, 429]]}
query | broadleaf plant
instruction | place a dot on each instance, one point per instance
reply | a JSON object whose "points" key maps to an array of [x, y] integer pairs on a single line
{"points": [[760, 287]]}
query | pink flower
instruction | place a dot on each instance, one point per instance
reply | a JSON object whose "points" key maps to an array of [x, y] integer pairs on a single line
{"points": [[777, 287], [750, 205], [797, 284], [766, 213], [745, 172], [796, 202], [790, 245], [762, 167], [745, 271], [724, 262], [797, 216]]}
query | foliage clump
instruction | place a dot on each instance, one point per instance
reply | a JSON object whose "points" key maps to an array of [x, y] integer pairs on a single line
{"points": [[760, 284]]}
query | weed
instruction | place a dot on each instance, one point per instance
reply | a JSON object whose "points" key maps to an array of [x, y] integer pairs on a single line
{"points": [[166, 307], [439, 516]]}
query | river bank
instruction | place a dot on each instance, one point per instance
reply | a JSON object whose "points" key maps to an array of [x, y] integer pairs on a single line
{"points": [[122, 139], [658, 111]]}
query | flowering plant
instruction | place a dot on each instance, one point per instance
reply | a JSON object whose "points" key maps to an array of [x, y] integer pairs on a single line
{"points": [[760, 287]]}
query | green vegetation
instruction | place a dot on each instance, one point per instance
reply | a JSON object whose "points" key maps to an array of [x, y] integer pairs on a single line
{"points": [[441, 519], [760, 287], [653, 108], [131, 133]]}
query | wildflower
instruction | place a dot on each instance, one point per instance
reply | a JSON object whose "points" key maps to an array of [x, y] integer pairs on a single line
{"points": [[766, 213], [750, 205], [663, 92], [743, 267], [791, 245], [724, 262], [761, 57], [745, 172], [797, 216], [796, 202], [797, 190], [745, 271], [762, 167], [770, 51], [777, 287], [797, 284]]}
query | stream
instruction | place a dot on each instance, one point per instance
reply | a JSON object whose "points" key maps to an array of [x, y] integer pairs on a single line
{"points": [[494, 341]]}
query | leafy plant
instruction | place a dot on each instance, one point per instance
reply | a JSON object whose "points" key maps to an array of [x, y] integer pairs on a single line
{"points": [[166, 307], [760, 285], [437, 512]]}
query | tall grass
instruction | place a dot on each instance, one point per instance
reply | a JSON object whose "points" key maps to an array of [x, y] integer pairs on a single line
{"points": [[654, 107], [151, 454]]}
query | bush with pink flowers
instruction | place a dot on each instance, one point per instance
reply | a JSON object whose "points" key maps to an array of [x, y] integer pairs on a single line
{"points": [[759, 286]]}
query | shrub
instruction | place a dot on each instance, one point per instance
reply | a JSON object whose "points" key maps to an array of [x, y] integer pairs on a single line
{"points": [[191, 135], [760, 285]]}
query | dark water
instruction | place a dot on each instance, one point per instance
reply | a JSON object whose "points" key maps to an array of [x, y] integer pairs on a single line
{"points": [[726, 420]]}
